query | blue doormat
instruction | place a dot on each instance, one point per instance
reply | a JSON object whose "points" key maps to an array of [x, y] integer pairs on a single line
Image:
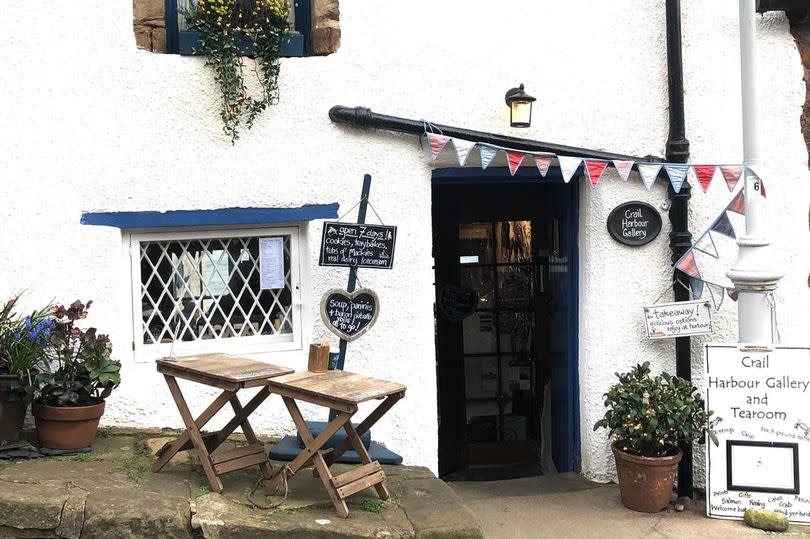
{"points": [[288, 448]]}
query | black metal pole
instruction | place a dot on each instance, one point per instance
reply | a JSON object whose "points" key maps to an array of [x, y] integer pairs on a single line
{"points": [[680, 239], [362, 117]]}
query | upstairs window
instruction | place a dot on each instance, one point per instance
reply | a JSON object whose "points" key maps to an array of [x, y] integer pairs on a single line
{"points": [[160, 26], [233, 291]]}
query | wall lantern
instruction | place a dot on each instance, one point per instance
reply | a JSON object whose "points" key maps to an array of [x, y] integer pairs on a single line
{"points": [[520, 107]]}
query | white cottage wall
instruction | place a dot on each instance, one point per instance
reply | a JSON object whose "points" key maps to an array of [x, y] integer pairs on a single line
{"points": [[90, 123]]}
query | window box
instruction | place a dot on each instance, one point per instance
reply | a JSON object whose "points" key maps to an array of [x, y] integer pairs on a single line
{"points": [[292, 43]]}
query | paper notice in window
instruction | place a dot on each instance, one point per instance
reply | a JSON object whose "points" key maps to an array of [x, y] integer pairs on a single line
{"points": [[271, 263]]}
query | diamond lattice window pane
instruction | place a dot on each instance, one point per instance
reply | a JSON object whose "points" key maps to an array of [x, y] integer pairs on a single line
{"points": [[208, 288]]}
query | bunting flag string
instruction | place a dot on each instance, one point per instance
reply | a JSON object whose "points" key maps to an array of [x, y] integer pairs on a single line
{"points": [[595, 169]]}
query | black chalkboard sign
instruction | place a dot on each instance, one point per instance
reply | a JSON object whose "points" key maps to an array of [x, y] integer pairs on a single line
{"points": [[634, 223], [353, 245], [457, 302], [349, 315]]}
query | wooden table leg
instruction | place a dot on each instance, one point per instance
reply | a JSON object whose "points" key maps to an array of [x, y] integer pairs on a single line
{"points": [[250, 435], [311, 451], [365, 458], [364, 426], [194, 434], [180, 443]]}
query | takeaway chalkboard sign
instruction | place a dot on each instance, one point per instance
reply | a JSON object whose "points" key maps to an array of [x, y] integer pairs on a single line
{"points": [[354, 245], [349, 315], [634, 223]]}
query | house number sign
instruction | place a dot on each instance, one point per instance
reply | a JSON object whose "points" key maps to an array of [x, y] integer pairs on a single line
{"points": [[634, 223]]}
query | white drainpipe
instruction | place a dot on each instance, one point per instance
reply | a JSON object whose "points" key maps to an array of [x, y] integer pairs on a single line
{"points": [[754, 273]]}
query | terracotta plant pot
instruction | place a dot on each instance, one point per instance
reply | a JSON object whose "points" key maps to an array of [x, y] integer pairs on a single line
{"points": [[646, 482], [12, 412], [67, 427]]}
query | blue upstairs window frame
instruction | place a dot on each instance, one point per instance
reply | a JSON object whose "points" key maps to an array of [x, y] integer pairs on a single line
{"points": [[296, 42]]}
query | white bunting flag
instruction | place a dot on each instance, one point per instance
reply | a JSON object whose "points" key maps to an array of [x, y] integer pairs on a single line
{"points": [[488, 153], [623, 168], [463, 149], [705, 244], [718, 294], [436, 143], [568, 166], [648, 172], [543, 161], [677, 175]]}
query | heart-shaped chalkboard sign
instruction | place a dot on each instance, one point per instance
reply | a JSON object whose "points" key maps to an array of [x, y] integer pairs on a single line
{"points": [[457, 302], [349, 315]]}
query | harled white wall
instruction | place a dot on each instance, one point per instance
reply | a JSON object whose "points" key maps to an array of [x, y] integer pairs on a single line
{"points": [[90, 123]]}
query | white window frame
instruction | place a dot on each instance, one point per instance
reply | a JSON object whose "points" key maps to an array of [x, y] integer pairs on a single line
{"points": [[235, 345]]}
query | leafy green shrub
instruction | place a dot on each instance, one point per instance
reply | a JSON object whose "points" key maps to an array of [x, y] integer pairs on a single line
{"points": [[651, 415]]}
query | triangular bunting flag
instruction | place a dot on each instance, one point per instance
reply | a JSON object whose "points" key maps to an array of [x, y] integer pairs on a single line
{"points": [[437, 142], [731, 175], [732, 293], [723, 226], [623, 168], [688, 265], [704, 173], [488, 153], [718, 294], [463, 149], [514, 159], [595, 170], [568, 166], [649, 172], [737, 204], [705, 244], [543, 161], [677, 174], [697, 287]]}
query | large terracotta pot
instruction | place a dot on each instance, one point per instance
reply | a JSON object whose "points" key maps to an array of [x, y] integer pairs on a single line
{"points": [[646, 482], [67, 427], [12, 412]]}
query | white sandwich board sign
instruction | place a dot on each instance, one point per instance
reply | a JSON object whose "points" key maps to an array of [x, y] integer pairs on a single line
{"points": [[761, 404]]}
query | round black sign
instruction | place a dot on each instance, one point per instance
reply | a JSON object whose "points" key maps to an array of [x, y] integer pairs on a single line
{"points": [[634, 223]]}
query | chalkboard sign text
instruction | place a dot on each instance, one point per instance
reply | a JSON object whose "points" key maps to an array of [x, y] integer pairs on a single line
{"points": [[353, 245], [634, 223]]}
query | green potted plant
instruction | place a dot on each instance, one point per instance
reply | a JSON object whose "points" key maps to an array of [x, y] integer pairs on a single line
{"points": [[227, 30], [648, 417], [23, 341], [80, 375]]}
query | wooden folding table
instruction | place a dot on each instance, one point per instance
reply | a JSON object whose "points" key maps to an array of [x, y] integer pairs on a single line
{"points": [[230, 374], [341, 391]]}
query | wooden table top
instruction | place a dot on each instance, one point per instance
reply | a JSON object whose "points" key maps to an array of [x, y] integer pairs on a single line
{"points": [[224, 367], [340, 386]]}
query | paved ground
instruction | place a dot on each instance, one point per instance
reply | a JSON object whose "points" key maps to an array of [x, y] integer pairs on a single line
{"points": [[111, 493], [566, 505]]}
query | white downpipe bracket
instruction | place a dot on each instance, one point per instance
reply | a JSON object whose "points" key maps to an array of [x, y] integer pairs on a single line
{"points": [[754, 273]]}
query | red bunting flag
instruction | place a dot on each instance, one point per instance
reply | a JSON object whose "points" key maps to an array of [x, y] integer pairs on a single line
{"points": [[737, 204], [688, 265], [704, 173], [543, 161], [514, 159], [595, 170], [732, 176], [437, 142]]}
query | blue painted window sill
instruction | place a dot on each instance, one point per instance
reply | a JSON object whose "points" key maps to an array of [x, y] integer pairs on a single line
{"points": [[292, 44]]}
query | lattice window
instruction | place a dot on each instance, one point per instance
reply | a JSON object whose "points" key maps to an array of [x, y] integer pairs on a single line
{"points": [[202, 291]]}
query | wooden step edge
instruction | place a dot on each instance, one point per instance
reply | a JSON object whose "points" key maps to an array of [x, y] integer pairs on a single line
{"points": [[239, 463], [360, 484], [245, 450], [356, 473]]}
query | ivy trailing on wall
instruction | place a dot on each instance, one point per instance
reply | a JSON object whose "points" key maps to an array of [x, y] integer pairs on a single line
{"points": [[226, 27]]}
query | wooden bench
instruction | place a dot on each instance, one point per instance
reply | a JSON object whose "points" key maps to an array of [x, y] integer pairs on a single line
{"points": [[230, 374]]}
